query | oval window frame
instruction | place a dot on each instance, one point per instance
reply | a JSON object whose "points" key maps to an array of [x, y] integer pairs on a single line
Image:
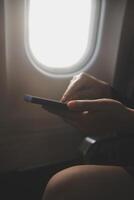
{"points": [[82, 63]]}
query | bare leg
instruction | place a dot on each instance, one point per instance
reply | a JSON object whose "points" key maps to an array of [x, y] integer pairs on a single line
{"points": [[90, 182]]}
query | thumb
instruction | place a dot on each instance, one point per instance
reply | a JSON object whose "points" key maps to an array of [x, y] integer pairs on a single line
{"points": [[93, 105], [85, 105]]}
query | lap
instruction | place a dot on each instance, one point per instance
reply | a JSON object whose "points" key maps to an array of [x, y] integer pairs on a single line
{"points": [[91, 182]]}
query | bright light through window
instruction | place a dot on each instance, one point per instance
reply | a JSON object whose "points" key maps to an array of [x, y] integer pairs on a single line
{"points": [[59, 31]]}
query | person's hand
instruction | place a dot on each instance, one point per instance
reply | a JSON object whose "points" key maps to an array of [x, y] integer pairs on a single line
{"points": [[84, 86], [102, 116], [96, 117]]}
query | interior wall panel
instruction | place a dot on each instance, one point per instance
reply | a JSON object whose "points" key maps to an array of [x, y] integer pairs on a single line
{"points": [[30, 136]]}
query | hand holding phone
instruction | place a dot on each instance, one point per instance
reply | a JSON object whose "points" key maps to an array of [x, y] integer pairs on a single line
{"points": [[54, 107], [47, 104]]}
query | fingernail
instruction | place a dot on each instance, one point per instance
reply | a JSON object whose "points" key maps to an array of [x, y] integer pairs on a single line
{"points": [[71, 104], [63, 99]]}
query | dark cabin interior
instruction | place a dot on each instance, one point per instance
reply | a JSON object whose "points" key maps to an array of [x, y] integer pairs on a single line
{"points": [[29, 183]]}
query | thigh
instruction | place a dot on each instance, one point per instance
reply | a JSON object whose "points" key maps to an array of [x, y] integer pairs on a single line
{"points": [[91, 182]]}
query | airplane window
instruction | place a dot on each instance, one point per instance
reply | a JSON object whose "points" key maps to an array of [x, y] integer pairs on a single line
{"points": [[61, 33]]}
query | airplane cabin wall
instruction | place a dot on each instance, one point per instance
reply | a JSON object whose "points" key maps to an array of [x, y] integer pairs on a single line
{"points": [[29, 135], [125, 62]]}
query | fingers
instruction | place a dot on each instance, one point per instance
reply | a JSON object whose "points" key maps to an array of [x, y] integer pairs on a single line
{"points": [[89, 105], [71, 89], [84, 86], [78, 95], [79, 83], [86, 94], [82, 105]]}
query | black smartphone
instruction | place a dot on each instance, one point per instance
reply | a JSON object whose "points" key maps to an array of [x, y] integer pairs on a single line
{"points": [[49, 104]]}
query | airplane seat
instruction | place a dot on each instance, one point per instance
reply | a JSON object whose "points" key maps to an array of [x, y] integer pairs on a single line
{"points": [[114, 150]]}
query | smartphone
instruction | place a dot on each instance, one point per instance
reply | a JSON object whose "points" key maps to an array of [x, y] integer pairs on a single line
{"points": [[49, 104]]}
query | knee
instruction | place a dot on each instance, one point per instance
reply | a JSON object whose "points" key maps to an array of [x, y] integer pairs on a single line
{"points": [[57, 187], [72, 183], [89, 182]]}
